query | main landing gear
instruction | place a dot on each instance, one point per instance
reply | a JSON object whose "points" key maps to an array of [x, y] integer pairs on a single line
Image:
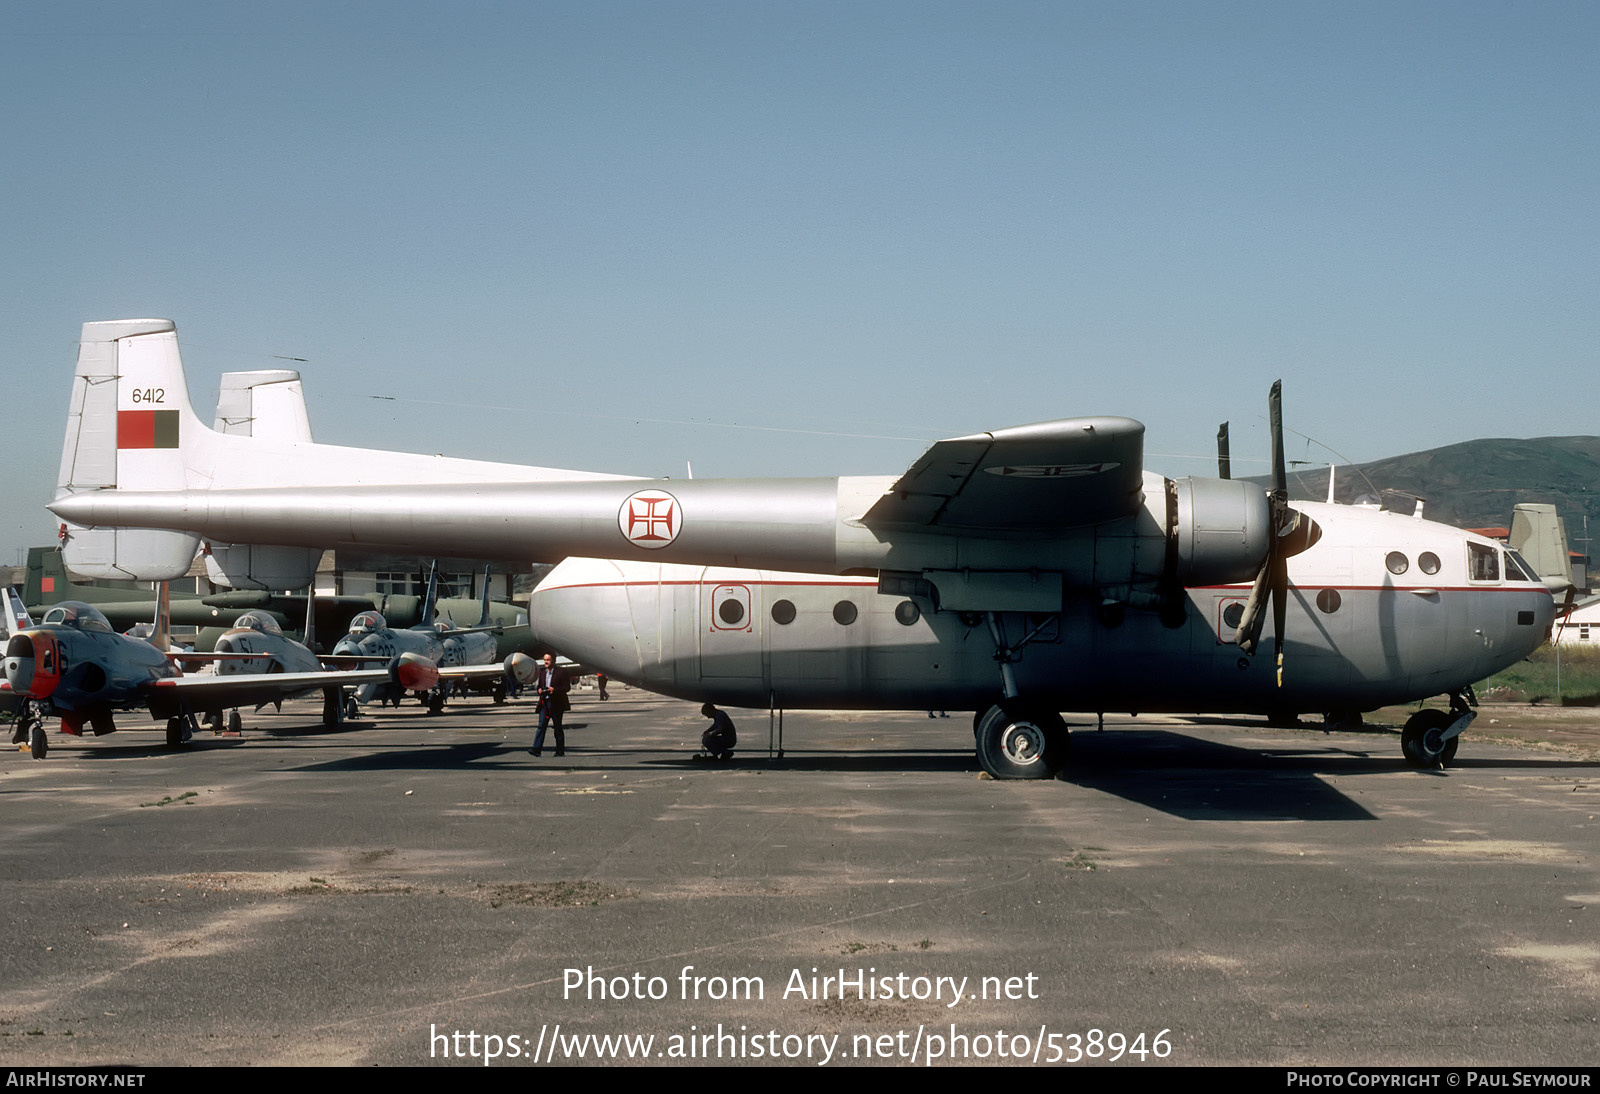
{"points": [[180, 727], [1020, 741], [1017, 739], [1430, 737], [338, 708]]}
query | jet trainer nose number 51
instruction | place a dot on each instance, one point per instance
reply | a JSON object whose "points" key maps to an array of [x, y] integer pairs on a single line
{"points": [[1017, 573]]}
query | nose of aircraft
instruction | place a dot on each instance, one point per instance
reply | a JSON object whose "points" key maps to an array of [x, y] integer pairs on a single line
{"points": [[18, 673], [228, 667], [30, 664]]}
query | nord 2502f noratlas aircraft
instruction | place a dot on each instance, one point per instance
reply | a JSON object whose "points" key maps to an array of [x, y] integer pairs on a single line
{"points": [[1017, 573]]}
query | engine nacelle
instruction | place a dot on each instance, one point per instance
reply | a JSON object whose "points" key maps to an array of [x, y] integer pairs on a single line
{"points": [[1220, 530], [1187, 532]]}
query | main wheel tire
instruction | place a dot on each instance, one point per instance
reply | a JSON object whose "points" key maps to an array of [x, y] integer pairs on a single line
{"points": [[175, 732], [1021, 742], [1421, 739], [38, 741], [235, 723]]}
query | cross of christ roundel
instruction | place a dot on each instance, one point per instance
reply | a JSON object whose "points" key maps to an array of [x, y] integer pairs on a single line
{"points": [[650, 519]]}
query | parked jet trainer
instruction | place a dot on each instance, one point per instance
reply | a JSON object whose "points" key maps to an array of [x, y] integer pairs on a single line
{"points": [[1018, 573], [73, 665]]}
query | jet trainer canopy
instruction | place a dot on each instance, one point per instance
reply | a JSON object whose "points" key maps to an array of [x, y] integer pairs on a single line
{"points": [[258, 621], [367, 622], [81, 616]]}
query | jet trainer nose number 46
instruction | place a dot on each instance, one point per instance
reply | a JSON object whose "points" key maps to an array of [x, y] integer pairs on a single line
{"points": [[1017, 573]]}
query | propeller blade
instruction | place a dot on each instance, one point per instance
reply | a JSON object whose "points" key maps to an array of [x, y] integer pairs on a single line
{"points": [[1272, 581], [1223, 462], [1284, 522], [1280, 475], [1280, 605], [1248, 633]]}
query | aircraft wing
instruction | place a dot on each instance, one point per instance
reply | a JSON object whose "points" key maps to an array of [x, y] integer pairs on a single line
{"points": [[471, 672], [1026, 479], [248, 689]]}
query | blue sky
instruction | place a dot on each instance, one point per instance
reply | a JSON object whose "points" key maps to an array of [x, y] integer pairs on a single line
{"points": [[807, 238]]}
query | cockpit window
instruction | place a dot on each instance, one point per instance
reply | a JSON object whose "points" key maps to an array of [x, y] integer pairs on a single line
{"points": [[75, 613], [1483, 563], [1517, 568], [256, 621]]}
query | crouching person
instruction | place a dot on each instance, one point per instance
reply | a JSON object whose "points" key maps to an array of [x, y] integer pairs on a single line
{"points": [[719, 738]]}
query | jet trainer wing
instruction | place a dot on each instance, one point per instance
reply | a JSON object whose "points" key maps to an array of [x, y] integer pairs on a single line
{"points": [[246, 689], [1026, 479]]}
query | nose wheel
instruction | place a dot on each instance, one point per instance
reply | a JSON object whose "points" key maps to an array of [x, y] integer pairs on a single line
{"points": [[1017, 741], [30, 728], [1424, 742]]}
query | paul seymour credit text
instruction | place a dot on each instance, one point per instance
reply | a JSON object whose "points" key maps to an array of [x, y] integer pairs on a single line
{"points": [[922, 1042]]}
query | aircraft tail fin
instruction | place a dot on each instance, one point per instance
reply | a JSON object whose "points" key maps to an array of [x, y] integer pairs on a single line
{"points": [[483, 614], [16, 616], [430, 601], [129, 427], [269, 405], [47, 577], [1539, 535], [311, 617], [161, 631]]}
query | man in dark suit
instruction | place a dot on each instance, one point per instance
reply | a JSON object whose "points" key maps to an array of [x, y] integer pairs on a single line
{"points": [[553, 684]]}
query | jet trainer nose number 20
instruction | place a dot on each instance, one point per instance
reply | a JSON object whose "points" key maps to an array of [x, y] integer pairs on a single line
{"points": [[1017, 573]]}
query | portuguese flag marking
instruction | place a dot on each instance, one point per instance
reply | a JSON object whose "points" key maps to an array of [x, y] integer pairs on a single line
{"points": [[147, 429]]}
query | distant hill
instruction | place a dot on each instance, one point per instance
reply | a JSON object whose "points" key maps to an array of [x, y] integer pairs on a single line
{"points": [[1474, 484]]}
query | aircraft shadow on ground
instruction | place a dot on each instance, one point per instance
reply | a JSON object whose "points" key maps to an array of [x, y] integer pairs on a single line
{"points": [[1205, 780], [1170, 772], [804, 759], [421, 757]]}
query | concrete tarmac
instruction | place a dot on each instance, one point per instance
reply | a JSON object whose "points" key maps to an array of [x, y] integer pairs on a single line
{"points": [[420, 890]]}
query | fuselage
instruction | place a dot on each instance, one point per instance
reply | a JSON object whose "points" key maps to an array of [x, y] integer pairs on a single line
{"points": [[1383, 609], [257, 644], [411, 652]]}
